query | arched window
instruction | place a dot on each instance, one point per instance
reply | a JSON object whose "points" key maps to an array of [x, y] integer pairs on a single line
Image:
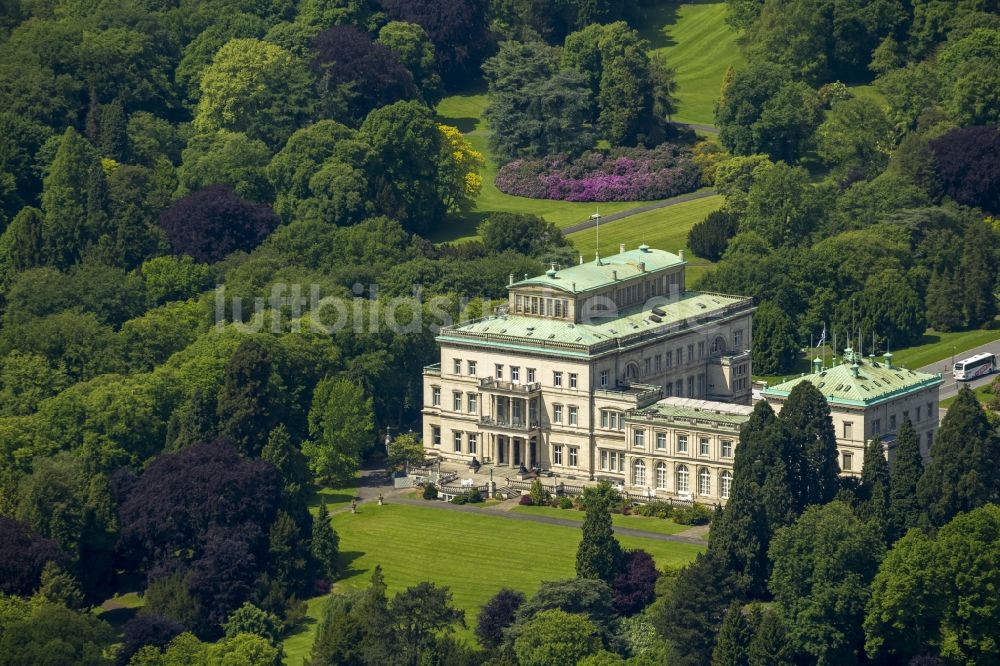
{"points": [[661, 475], [718, 346], [725, 484], [631, 371], [638, 473], [683, 480], [704, 482]]}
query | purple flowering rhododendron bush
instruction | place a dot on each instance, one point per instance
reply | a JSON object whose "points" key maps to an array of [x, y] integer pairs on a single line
{"points": [[621, 174]]}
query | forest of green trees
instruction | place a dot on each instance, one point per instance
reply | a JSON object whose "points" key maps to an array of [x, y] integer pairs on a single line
{"points": [[157, 153]]}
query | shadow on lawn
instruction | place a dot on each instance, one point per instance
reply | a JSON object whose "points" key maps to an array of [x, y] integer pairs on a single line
{"points": [[654, 20], [464, 125], [345, 560]]}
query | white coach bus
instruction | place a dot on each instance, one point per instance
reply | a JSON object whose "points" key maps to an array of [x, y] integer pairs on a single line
{"points": [[979, 365]]}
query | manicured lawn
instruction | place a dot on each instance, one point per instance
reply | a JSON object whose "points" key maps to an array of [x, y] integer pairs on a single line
{"points": [[700, 47], [336, 497], [983, 393], [936, 346], [655, 525], [665, 229], [474, 554]]}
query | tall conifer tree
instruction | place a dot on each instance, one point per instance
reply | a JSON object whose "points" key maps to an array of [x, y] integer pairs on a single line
{"points": [[962, 474], [807, 415], [907, 467], [599, 553], [732, 644]]}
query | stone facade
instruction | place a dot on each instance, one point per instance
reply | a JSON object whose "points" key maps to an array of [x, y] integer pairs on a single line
{"points": [[540, 383]]}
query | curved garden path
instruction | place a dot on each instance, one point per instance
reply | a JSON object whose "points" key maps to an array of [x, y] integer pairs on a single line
{"points": [[664, 203]]}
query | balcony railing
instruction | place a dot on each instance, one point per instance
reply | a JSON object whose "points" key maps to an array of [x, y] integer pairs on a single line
{"points": [[508, 424], [491, 384]]}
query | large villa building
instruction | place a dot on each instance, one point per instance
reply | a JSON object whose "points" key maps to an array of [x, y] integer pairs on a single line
{"points": [[613, 369]]}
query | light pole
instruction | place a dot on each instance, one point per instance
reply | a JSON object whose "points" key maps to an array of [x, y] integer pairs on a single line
{"points": [[597, 218], [953, 358]]}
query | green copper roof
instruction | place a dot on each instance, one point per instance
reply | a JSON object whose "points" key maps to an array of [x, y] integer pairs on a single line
{"points": [[703, 412], [875, 382], [594, 275], [682, 313]]}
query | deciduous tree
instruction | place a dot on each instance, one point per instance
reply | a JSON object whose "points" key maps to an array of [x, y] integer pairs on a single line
{"points": [[256, 88], [496, 615], [213, 222], [823, 565], [341, 427]]}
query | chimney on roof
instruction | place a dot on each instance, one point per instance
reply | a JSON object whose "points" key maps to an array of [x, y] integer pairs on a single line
{"points": [[854, 368], [511, 280], [680, 253], [614, 275], [621, 248], [642, 266], [888, 360]]}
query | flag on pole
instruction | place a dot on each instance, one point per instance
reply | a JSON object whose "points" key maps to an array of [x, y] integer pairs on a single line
{"points": [[822, 336]]}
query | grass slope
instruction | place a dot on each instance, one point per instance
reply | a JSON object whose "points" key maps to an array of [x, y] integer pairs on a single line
{"points": [[665, 229], [474, 554], [700, 47]]}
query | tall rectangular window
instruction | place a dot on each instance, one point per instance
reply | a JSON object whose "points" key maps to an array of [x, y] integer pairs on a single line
{"points": [[848, 430], [573, 380], [661, 440], [531, 375], [473, 403], [456, 401], [573, 454], [647, 366], [557, 413], [574, 415], [557, 379], [604, 378], [703, 446], [436, 435], [638, 438], [472, 368], [458, 441], [848, 461], [515, 373], [727, 448], [690, 387], [604, 459], [670, 358], [557, 453], [682, 443], [473, 441], [499, 374], [738, 339], [457, 366], [436, 396]]}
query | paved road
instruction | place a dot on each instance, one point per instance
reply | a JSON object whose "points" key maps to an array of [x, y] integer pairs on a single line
{"points": [[611, 217], [950, 386]]}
